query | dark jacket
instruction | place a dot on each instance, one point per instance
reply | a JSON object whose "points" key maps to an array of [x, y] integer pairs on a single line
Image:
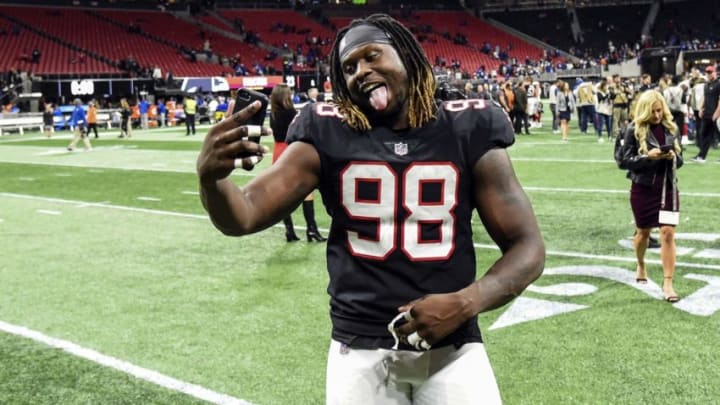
{"points": [[642, 170]]}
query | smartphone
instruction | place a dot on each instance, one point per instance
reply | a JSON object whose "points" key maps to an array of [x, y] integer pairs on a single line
{"points": [[245, 97], [669, 141]]}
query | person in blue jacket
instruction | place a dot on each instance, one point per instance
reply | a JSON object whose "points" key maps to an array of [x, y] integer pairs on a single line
{"points": [[144, 109], [161, 112], [79, 123]]}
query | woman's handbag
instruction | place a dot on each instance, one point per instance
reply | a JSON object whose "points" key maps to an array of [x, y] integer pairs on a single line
{"points": [[671, 217]]}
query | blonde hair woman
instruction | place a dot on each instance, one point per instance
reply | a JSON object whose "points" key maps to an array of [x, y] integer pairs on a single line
{"points": [[652, 154], [125, 122]]}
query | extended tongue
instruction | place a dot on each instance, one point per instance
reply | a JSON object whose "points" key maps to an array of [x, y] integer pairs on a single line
{"points": [[378, 98]]}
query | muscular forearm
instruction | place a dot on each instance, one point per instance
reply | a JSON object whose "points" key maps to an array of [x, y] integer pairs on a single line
{"points": [[508, 277], [226, 204]]}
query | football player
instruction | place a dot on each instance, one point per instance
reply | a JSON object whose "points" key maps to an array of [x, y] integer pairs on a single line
{"points": [[400, 175]]}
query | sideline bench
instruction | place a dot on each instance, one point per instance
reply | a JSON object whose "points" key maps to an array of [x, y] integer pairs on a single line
{"points": [[14, 122], [20, 123]]}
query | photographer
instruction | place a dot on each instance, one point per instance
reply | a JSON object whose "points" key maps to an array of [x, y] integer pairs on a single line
{"points": [[620, 94]]}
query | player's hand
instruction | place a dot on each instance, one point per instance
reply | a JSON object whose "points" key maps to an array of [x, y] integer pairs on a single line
{"points": [[226, 145], [433, 317]]}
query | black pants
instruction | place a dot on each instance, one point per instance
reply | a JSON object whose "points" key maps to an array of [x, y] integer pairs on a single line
{"points": [[521, 122], [189, 124], [124, 126], [679, 118], [92, 126], [706, 136], [555, 120]]}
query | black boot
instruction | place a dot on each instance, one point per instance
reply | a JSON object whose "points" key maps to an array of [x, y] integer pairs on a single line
{"points": [[312, 232], [290, 235]]}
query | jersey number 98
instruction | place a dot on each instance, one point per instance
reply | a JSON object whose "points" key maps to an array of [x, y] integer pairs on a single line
{"points": [[383, 209]]}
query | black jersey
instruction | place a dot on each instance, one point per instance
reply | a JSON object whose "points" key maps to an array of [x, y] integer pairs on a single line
{"points": [[712, 94], [401, 204]]}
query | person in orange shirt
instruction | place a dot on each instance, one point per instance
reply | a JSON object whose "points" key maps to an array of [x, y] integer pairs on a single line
{"points": [[92, 118]]}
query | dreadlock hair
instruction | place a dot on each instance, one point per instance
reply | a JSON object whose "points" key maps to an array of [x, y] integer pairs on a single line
{"points": [[421, 108]]}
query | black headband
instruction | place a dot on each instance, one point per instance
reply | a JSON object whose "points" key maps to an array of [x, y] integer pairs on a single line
{"points": [[361, 35]]}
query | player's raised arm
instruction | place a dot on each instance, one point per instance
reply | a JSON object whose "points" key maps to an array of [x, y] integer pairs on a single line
{"points": [[268, 197]]}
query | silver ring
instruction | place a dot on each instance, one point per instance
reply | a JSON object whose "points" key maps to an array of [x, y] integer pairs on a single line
{"points": [[237, 163], [408, 316]]}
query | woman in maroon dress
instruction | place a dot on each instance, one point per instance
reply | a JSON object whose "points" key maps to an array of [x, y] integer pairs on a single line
{"points": [[652, 155]]}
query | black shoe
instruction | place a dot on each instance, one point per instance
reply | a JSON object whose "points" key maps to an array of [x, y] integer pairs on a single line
{"points": [[291, 237], [653, 243], [314, 236]]}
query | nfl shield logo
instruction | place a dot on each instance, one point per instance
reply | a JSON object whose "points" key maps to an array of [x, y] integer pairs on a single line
{"points": [[401, 149]]}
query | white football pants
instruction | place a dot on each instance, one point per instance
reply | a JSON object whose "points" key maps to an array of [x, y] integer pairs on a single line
{"points": [[435, 377]]}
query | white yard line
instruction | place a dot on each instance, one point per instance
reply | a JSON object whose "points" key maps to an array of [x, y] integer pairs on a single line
{"points": [[96, 168], [477, 245], [608, 258], [607, 191], [48, 212], [120, 365]]}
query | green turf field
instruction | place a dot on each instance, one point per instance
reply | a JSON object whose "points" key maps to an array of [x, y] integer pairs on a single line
{"points": [[116, 289]]}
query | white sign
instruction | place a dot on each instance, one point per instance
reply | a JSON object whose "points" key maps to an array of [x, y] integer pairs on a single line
{"points": [[82, 87]]}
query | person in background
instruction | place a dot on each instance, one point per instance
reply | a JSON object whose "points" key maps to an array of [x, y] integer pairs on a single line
{"points": [[564, 108], [78, 122], [125, 124], [190, 109], [312, 94], [651, 170], [709, 114], [506, 98], [697, 95], [401, 176], [92, 118], [676, 97], [48, 116], [552, 101], [520, 107], [221, 109], [282, 112], [604, 108], [470, 90], [144, 109], [162, 113], [585, 100], [620, 93]]}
